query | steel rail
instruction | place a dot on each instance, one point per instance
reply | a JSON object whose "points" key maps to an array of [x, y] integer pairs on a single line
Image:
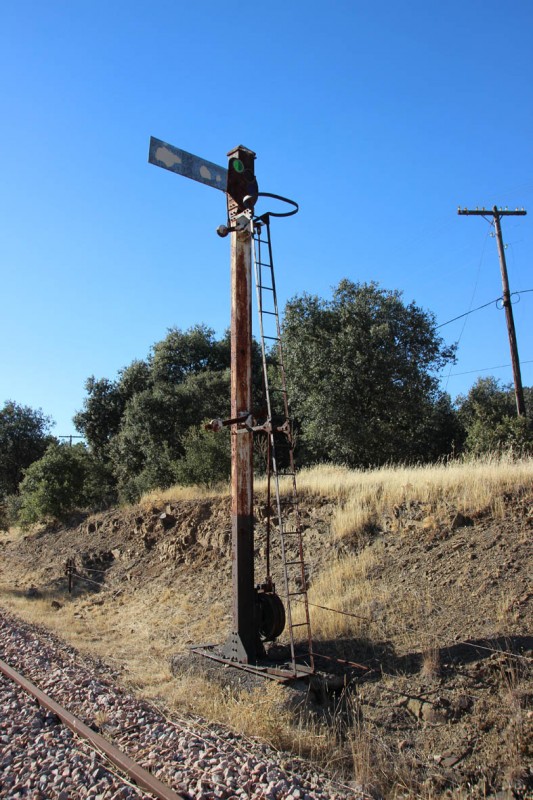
{"points": [[140, 776]]}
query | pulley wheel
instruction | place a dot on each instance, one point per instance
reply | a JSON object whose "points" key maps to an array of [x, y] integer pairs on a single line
{"points": [[271, 615]]}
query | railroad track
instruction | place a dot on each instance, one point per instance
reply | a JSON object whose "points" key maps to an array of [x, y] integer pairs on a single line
{"points": [[134, 772], [136, 751]]}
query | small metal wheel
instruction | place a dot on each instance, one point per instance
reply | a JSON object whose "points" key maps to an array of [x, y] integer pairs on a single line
{"points": [[271, 615]]}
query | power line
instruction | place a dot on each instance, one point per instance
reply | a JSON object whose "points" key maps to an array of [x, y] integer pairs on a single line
{"points": [[468, 312], [485, 369], [496, 300]]}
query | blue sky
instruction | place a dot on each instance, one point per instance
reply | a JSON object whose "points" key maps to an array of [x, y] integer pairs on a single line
{"points": [[379, 119]]}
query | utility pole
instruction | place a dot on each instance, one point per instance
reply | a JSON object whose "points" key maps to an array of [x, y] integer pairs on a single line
{"points": [[497, 214], [70, 437]]}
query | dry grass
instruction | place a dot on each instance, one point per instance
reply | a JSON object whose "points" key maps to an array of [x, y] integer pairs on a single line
{"points": [[347, 586], [469, 487], [136, 632], [381, 771], [263, 713], [363, 496], [158, 497], [431, 662]]}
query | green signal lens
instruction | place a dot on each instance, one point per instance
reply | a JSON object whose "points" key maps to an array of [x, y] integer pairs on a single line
{"points": [[238, 166]]}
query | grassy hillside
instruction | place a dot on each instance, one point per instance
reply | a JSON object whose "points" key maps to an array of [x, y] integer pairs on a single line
{"points": [[429, 566]]}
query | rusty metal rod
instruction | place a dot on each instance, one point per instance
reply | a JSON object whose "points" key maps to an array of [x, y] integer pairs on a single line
{"points": [[243, 643], [137, 773], [342, 661]]}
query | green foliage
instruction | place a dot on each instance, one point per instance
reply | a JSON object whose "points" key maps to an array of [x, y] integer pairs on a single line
{"points": [[207, 458], [24, 437], [181, 354], [100, 418], [9, 511], [134, 379], [4, 519], [361, 371], [137, 425], [64, 479], [487, 402], [158, 470], [490, 423]]}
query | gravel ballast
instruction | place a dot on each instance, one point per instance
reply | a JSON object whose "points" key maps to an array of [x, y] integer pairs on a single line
{"points": [[41, 758]]}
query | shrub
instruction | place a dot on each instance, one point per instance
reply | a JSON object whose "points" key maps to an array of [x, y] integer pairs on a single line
{"points": [[9, 511], [158, 472], [64, 479], [207, 458], [510, 434]]}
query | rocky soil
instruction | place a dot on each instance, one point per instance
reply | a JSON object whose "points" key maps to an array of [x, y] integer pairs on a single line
{"points": [[40, 758]]}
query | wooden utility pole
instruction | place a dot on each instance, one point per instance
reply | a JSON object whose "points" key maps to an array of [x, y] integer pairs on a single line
{"points": [[496, 214]]}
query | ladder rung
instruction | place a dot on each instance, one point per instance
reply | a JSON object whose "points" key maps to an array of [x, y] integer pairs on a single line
{"points": [[292, 563], [273, 338], [296, 594], [272, 313], [266, 288], [263, 264], [299, 624]]}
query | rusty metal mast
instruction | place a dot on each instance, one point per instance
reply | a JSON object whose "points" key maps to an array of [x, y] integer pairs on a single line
{"points": [[496, 214], [243, 643], [258, 612]]}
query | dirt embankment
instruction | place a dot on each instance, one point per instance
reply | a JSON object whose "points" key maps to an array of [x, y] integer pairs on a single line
{"points": [[443, 704]]}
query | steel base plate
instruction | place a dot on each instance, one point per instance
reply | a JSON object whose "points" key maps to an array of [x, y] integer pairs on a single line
{"points": [[281, 672]]}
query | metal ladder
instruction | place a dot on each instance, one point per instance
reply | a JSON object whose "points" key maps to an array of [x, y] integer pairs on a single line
{"points": [[279, 426]]}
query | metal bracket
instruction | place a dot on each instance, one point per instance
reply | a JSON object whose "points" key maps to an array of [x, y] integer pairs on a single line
{"points": [[267, 427], [243, 222], [216, 425]]}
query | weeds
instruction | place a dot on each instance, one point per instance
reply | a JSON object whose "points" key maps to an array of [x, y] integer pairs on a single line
{"points": [[431, 662], [347, 587], [262, 713]]}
